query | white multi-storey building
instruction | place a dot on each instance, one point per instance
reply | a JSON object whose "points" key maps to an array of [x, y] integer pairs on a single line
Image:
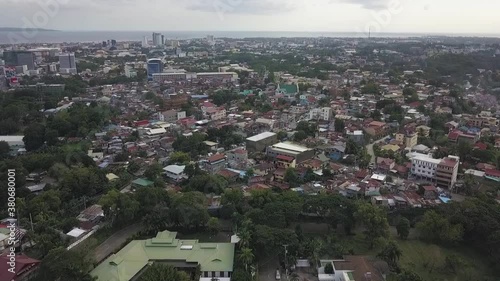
{"points": [[424, 166], [324, 113], [443, 172]]}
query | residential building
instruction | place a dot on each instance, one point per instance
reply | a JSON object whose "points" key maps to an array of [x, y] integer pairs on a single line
{"points": [[385, 164], [260, 142], [15, 143], [130, 72], [215, 163], [140, 183], [298, 152], [376, 129], [356, 136], [154, 66], [324, 114], [443, 172], [284, 162], [24, 267], [215, 114], [424, 166], [171, 116], [409, 138], [214, 260], [175, 173], [351, 268], [237, 158], [67, 63]]}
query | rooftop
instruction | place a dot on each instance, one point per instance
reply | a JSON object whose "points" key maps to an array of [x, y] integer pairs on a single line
{"points": [[262, 136], [129, 261], [291, 147]]}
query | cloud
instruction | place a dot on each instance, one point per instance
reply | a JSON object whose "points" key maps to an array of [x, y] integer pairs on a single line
{"points": [[367, 4], [252, 7]]}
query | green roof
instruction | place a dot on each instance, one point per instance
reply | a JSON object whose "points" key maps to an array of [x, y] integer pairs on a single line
{"points": [[129, 261], [143, 182], [289, 89]]}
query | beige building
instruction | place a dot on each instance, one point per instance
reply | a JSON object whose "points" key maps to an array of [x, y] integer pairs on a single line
{"points": [[409, 139]]}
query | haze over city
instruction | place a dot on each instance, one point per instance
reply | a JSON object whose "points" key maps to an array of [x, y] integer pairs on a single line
{"points": [[440, 16]]}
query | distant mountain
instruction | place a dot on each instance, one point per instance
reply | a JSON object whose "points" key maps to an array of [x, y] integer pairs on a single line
{"points": [[18, 29]]}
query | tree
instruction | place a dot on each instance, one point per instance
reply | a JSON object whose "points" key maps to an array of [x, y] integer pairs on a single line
{"points": [[163, 272], [391, 254], [282, 135], [34, 137], [189, 211], [153, 171], [329, 268], [300, 136], [61, 265], [403, 228], [454, 263], [4, 149], [375, 221], [157, 220], [407, 275], [339, 125], [246, 256], [213, 226], [291, 176], [119, 208], [179, 157], [436, 227]]}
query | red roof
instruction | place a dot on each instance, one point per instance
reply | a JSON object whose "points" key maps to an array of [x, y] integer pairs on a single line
{"points": [[429, 188], [454, 135], [285, 158], [481, 146], [141, 123], [23, 265], [216, 157], [492, 173]]}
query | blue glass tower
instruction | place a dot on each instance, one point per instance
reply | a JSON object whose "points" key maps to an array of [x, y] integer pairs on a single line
{"points": [[154, 66]]}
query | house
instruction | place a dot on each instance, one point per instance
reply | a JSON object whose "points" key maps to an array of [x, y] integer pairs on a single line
{"points": [[284, 162], [229, 175], [279, 175], [424, 131], [337, 152], [289, 90], [385, 164], [357, 136], [376, 128], [90, 217], [24, 267], [215, 114], [492, 174], [263, 169], [430, 192], [175, 173], [213, 260], [215, 163], [408, 137], [138, 183], [351, 268], [237, 158]]}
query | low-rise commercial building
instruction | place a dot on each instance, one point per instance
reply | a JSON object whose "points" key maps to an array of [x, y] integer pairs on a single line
{"points": [[260, 142], [298, 152]]}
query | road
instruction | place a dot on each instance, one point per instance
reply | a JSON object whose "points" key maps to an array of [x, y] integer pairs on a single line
{"points": [[267, 269], [369, 148], [115, 241]]}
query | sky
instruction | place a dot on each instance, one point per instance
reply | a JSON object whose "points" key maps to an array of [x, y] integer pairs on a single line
{"points": [[398, 16]]}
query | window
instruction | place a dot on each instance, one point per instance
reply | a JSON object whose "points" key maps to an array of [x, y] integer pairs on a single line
{"points": [[205, 274], [222, 274]]}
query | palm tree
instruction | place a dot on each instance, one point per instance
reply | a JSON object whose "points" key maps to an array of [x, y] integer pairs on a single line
{"points": [[244, 236], [391, 254], [246, 257]]}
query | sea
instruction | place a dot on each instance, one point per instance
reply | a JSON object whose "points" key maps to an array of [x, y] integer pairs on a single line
{"points": [[20, 37]]}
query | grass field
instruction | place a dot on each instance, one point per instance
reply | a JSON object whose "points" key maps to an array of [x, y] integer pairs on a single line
{"points": [[427, 260]]}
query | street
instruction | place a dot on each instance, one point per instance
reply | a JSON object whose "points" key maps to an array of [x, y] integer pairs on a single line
{"points": [[115, 241], [267, 269], [369, 148]]}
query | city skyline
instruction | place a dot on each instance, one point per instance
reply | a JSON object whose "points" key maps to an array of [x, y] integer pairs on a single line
{"points": [[395, 16]]}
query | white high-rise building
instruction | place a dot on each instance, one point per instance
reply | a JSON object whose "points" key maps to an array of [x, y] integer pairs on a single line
{"points": [[145, 42], [67, 63], [157, 39]]}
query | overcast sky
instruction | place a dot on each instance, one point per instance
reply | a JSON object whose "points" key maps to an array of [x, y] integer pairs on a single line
{"points": [[420, 16]]}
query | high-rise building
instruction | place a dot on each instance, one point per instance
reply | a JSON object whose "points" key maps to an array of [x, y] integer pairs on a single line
{"points": [[154, 66], [157, 39], [130, 72], [113, 43], [145, 42], [162, 40], [67, 63], [19, 58]]}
